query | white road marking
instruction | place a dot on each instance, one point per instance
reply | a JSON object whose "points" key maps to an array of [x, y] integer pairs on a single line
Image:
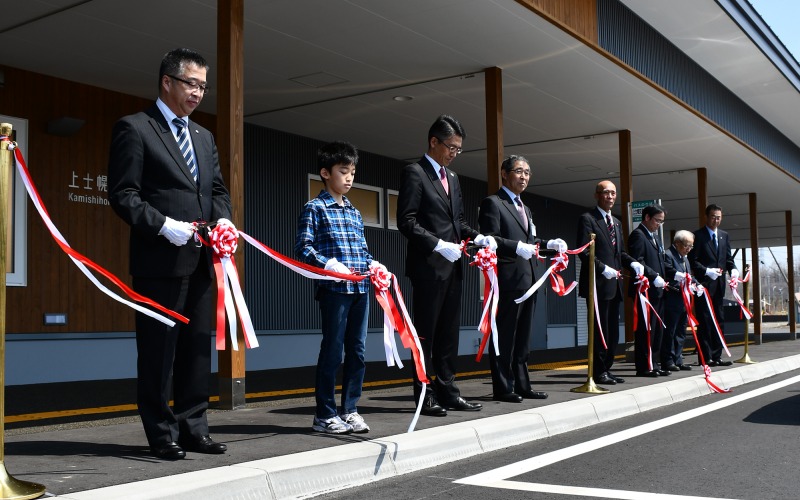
{"points": [[497, 478]]}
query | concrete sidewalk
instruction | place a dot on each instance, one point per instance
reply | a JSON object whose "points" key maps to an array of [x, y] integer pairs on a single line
{"points": [[273, 454]]}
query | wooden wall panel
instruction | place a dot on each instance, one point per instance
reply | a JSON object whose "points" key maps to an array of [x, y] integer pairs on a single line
{"points": [[54, 283], [579, 16]]}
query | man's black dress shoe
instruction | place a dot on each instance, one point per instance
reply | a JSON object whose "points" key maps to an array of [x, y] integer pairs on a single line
{"points": [[605, 379], [204, 444], [663, 373], [431, 408], [719, 362], [168, 451], [651, 374], [713, 363], [684, 367], [508, 398], [616, 379], [529, 394], [461, 404], [672, 368]]}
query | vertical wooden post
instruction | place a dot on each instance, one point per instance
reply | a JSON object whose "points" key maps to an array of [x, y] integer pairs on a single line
{"points": [[756, 269], [792, 305], [230, 145], [493, 84], [702, 195], [625, 197]]}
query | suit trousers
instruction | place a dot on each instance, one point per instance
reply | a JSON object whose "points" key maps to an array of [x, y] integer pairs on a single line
{"points": [[647, 345], [175, 359], [514, 327], [710, 344], [675, 334], [437, 317], [608, 311]]}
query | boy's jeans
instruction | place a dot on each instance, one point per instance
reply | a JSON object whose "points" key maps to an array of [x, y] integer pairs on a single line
{"points": [[344, 325]]}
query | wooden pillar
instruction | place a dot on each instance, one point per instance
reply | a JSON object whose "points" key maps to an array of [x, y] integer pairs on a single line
{"points": [[493, 83], [702, 195], [625, 197], [755, 269], [230, 145], [790, 276]]}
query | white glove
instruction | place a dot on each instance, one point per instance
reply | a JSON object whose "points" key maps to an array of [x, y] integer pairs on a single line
{"points": [[558, 245], [450, 251], [680, 277], [638, 268], [486, 241], [734, 273], [337, 267], [226, 222], [526, 250], [659, 282], [610, 273], [378, 265], [177, 232], [713, 272]]}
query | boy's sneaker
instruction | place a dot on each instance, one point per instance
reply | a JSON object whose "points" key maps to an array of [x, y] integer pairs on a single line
{"points": [[332, 425], [356, 421]]}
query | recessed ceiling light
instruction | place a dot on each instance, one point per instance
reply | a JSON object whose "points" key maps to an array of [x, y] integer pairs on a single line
{"points": [[401, 98]]}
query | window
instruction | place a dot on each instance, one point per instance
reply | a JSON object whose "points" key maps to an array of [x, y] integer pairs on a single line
{"points": [[16, 221], [367, 199], [391, 199]]}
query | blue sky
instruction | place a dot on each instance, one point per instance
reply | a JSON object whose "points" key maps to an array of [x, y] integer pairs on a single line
{"points": [[782, 17]]}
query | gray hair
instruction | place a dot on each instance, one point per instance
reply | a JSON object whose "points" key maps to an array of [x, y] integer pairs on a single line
{"points": [[683, 236]]}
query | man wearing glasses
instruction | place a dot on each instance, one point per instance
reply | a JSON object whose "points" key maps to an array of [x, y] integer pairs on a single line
{"points": [[164, 175], [644, 245], [674, 309], [430, 214], [710, 258]]}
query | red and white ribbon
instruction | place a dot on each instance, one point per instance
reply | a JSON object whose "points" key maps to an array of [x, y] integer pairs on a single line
{"points": [[84, 262], [687, 291], [486, 261], [701, 290], [560, 262], [642, 289], [734, 286]]}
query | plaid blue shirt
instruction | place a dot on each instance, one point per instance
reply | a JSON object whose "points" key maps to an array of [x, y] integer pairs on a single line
{"points": [[327, 230]]}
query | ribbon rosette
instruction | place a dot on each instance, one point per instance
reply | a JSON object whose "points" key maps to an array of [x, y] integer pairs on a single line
{"points": [[734, 286], [223, 239], [84, 263], [560, 263], [486, 261]]}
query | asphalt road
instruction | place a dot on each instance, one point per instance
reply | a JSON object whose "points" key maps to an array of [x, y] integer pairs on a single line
{"points": [[739, 445]]}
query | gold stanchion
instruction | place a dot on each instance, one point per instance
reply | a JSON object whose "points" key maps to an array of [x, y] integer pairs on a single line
{"points": [[590, 387], [10, 488], [746, 290]]}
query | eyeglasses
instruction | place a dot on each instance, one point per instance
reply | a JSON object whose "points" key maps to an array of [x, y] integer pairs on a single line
{"points": [[658, 221], [192, 85], [687, 245], [521, 172], [453, 149]]}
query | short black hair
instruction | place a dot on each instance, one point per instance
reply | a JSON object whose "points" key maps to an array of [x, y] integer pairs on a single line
{"points": [[653, 210], [446, 127], [508, 163], [713, 208], [336, 153], [176, 60]]}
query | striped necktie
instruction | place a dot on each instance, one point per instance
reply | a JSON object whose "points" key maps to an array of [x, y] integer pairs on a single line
{"points": [[521, 212], [186, 146], [611, 231]]}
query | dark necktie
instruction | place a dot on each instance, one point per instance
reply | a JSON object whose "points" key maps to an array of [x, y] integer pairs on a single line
{"points": [[714, 240], [521, 212], [185, 146], [611, 231]]}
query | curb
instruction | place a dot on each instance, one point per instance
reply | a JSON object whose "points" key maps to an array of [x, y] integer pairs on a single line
{"points": [[311, 473]]}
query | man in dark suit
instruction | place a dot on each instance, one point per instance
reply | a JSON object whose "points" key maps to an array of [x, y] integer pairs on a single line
{"points": [[160, 187], [504, 217], [675, 317], [610, 259], [430, 214], [710, 258], [644, 245]]}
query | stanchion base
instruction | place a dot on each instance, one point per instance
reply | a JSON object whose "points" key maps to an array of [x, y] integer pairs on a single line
{"points": [[590, 387], [746, 360], [16, 489]]}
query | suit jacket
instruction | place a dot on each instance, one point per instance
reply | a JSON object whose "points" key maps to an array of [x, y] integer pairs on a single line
{"points": [[605, 254], [680, 264], [499, 218], [426, 214], [703, 256], [148, 181], [642, 248]]}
